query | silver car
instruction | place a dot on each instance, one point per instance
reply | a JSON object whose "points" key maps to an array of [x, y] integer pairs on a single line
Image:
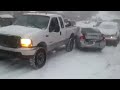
{"points": [[90, 38], [111, 32]]}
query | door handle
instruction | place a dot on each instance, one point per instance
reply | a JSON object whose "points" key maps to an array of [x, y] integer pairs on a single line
{"points": [[60, 33], [47, 35]]}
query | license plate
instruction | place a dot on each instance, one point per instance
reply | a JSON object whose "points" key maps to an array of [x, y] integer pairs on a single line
{"points": [[90, 42]]}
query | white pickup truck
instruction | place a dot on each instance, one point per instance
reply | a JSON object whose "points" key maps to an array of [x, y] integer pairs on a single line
{"points": [[33, 35]]}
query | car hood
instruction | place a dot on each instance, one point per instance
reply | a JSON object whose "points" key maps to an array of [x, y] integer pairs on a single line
{"points": [[18, 30], [108, 31]]}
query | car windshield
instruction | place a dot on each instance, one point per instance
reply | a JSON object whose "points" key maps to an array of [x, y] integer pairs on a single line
{"points": [[89, 30], [37, 21], [108, 26]]}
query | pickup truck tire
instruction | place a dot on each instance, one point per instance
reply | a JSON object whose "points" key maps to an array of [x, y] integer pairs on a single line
{"points": [[38, 60], [70, 44]]}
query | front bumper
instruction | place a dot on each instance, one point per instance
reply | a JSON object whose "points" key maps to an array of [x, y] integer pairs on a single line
{"points": [[19, 52], [111, 41], [11, 54]]}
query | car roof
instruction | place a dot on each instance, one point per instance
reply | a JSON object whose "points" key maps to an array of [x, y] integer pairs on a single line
{"points": [[109, 23], [44, 14]]}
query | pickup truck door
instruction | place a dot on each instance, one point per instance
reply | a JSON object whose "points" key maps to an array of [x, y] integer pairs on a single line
{"points": [[63, 30], [54, 36]]}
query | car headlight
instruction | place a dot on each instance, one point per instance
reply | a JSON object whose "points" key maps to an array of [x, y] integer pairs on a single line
{"points": [[26, 43]]}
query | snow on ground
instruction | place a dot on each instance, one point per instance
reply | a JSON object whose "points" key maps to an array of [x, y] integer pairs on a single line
{"points": [[63, 65]]}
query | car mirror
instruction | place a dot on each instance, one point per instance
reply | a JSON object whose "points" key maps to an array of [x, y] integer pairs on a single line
{"points": [[67, 24]]}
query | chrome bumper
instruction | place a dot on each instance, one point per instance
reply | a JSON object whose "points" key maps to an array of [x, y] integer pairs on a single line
{"points": [[23, 51]]}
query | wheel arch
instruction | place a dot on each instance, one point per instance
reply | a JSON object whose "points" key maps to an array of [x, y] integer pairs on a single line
{"points": [[42, 45]]}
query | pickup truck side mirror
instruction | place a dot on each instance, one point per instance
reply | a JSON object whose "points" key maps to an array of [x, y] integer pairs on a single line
{"points": [[67, 24]]}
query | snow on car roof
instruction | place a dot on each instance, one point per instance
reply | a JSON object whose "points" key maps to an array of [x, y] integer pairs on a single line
{"points": [[109, 23], [108, 28], [45, 14], [6, 16]]}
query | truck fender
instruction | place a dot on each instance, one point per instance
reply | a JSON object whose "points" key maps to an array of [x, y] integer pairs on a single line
{"points": [[43, 45]]}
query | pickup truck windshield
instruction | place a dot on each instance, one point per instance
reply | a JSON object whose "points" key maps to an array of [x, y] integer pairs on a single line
{"points": [[37, 21]]}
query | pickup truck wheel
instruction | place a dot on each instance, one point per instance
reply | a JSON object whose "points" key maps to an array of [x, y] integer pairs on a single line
{"points": [[70, 45], [38, 60]]}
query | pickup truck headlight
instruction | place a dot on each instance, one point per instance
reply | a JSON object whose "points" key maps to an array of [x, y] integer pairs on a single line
{"points": [[26, 43]]}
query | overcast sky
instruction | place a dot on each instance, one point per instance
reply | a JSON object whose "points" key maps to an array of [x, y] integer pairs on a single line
{"points": [[83, 14]]}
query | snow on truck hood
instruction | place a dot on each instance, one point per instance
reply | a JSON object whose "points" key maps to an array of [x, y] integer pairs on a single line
{"points": [[17, 30]]}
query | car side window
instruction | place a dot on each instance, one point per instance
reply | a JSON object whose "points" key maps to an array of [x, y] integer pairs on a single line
{"points": [[54, 25], [61, 22]]}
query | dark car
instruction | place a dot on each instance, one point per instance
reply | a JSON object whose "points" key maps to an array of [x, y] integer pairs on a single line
{"points": [[6, 20], [111, 33]]}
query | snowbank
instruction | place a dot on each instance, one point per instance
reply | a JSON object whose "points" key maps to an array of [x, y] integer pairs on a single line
{"points": [[6, 16]]}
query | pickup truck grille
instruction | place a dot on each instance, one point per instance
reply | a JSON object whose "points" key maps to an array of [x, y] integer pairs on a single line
{"points": [[9, 41]]}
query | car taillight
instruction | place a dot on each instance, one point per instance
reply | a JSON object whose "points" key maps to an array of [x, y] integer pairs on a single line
{"points": [[82, 37]]}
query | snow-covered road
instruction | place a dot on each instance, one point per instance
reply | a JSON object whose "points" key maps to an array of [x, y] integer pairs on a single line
{"points": [[62, 65]]}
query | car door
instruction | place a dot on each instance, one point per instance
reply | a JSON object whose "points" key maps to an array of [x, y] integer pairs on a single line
{"points": [[62, 30], [54, 33]]}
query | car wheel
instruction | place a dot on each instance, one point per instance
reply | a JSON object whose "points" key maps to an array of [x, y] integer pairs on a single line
{"points": [[118, 40], [38, 60], [70, 44], [115, 45], [100, 49]]}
